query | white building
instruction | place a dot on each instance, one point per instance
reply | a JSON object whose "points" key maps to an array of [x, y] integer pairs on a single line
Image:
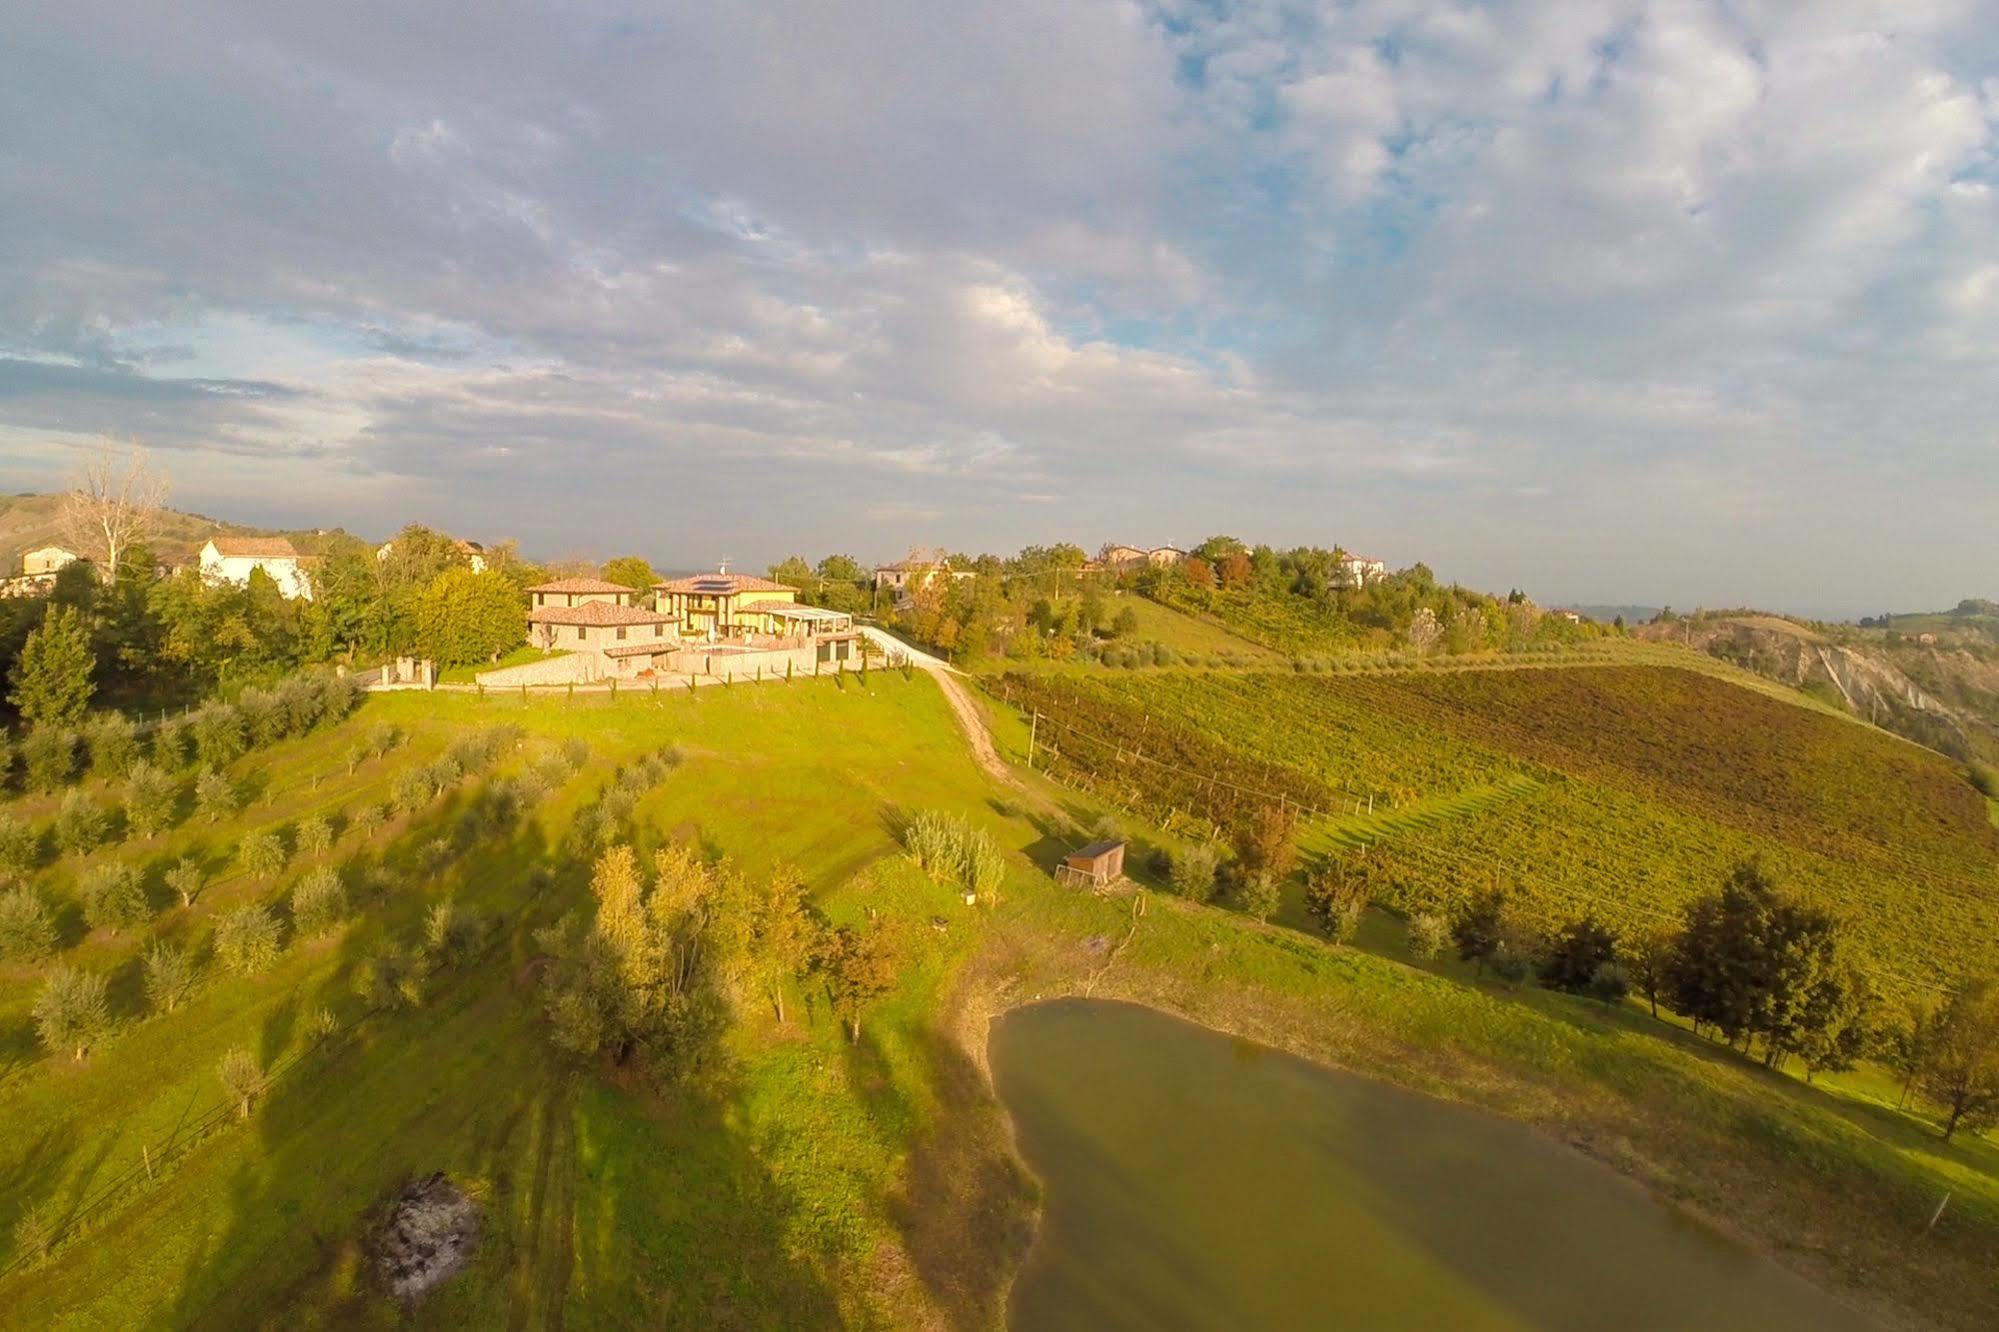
{"points": [[1360, 570], [232, 560]]}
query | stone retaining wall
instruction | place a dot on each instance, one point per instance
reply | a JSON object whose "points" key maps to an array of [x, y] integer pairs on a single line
{"points": [[569, 668]]}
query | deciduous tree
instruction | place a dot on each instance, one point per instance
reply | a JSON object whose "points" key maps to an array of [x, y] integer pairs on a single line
{"points": [[1961, 1074], [112, 503]]}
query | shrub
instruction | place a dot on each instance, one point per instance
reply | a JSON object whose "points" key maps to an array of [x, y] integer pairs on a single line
{"points": [[313, 837], [150, 796], [112, 897], [1258, 894], [185, 879], [112, 743], [70, 1012], [50, 756], [261, 853], [20, 844], [247, 940], [170, 973], [319, 901], [1427, 935], [27, 931], [1986, 779], [382, 738], [243, 1078], [320, 1024], [931, 842], [1337, 901], [1194, 873], [214, 796], [6, 758], [80, 824], [218, 735]]}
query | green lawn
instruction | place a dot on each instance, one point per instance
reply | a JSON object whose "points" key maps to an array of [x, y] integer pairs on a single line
{"points": [[809, 1181]]}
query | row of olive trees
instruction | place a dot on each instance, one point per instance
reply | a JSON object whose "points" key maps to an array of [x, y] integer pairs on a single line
{"points": [[58, 749]]}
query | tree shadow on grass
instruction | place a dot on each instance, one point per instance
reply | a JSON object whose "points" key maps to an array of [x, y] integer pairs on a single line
{"points": [[655, 1204], [965, 1208]]}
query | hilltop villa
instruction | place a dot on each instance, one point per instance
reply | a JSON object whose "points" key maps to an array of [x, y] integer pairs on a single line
{"points": [[718, 624], [227, 559], [1360, 570], [598, 620]]}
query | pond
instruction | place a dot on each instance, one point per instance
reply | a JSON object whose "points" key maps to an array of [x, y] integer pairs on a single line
{"points": [[1193, 1180]]}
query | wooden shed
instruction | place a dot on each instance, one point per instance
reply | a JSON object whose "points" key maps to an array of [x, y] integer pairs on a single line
{"points": [[1093, 866]]}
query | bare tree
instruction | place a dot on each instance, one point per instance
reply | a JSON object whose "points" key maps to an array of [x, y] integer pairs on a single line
{"points": [[112, 503]]}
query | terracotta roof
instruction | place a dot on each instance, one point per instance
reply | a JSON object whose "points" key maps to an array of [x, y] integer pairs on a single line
{"points": [[722, 584], [578, 586], [596, 613], [254, 548]]}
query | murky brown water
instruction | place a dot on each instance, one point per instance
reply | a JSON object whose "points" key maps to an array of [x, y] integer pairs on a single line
{"points": [[1197, 1181]]}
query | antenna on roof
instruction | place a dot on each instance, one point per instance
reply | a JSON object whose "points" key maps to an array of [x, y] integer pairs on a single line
{"points": [[722, 565]]}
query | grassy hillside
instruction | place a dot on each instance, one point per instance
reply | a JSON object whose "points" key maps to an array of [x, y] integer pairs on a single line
{"points": [[808, 1181]]}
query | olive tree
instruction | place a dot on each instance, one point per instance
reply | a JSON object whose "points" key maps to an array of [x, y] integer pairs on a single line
{"points": [[150, 796], [170, 974], [214, 796], [81, 824], [70, 1012], [112, 897], [243, 1079], [248, 940], [27, 932], [319, 901]]}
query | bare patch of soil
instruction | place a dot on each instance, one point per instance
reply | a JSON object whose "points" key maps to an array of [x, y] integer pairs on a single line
{"points": [[426, 1238]]}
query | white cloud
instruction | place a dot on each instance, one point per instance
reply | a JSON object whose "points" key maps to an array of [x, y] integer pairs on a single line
{"points": [[1384, 271]]}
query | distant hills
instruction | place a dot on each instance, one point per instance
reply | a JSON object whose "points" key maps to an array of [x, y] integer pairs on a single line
{"points": [[1607, 614], [29, 521], [1930, 677]]}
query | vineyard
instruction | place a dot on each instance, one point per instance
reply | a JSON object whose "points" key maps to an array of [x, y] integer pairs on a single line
{"points": [[1620, 790]]}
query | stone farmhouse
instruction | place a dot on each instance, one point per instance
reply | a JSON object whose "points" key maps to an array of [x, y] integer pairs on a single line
{"points": [[227, 559], [39, 568]]}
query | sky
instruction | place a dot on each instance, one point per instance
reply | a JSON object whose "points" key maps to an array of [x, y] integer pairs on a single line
{"points": [[1650, 301]]}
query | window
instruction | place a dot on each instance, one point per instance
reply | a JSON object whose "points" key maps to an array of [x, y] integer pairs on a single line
{"points": [[659, 631], [581, 632], [621, 633]]}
